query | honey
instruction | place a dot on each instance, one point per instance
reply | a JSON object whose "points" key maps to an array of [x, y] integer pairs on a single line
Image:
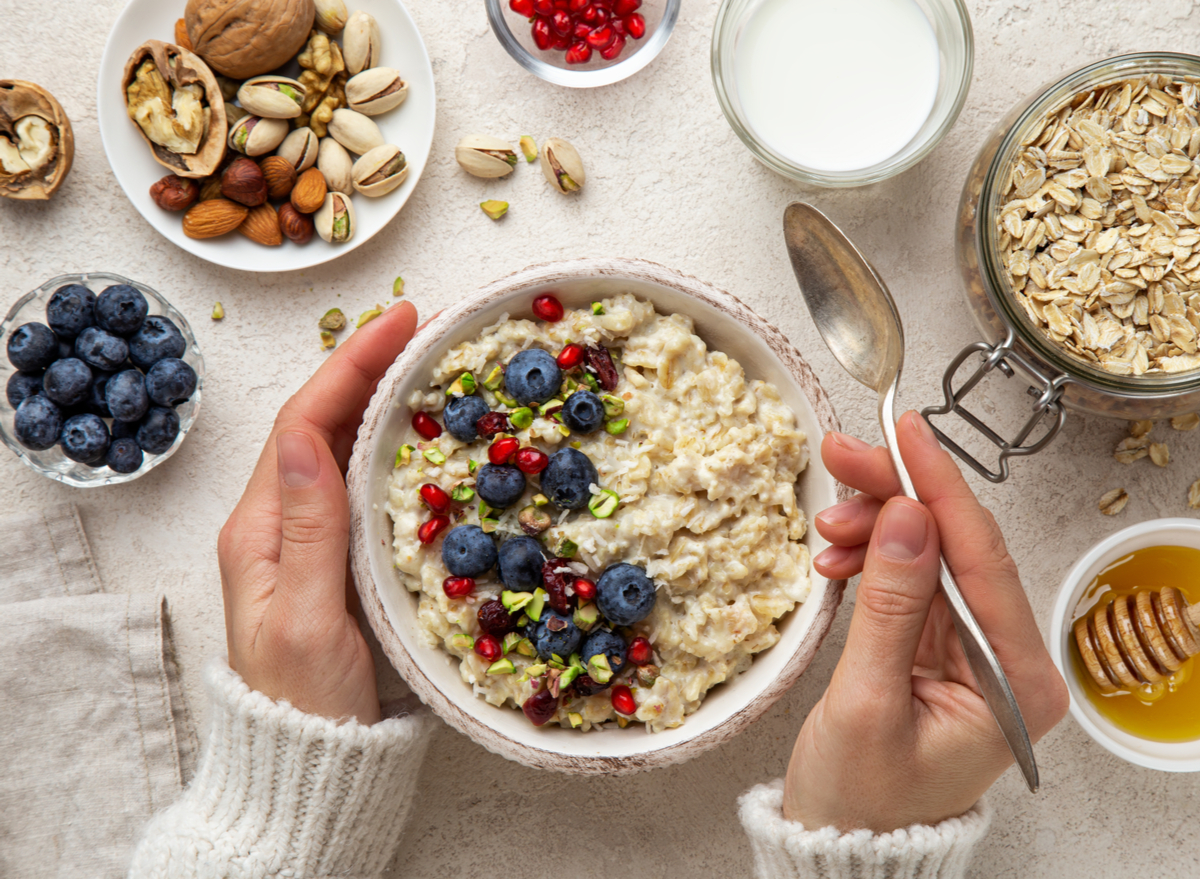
{"points": [[1168, 711]]}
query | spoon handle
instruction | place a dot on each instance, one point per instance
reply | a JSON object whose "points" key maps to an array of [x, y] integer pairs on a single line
{"points": [[989, 675]]}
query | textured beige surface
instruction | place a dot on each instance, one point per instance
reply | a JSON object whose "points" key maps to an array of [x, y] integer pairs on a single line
{"points": [[667, 181]]}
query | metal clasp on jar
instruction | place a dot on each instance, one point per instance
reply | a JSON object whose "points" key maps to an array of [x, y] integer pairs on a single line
{"points": [[1047, 407]]}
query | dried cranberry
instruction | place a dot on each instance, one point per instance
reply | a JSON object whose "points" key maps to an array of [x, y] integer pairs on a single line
{"points": [[495, 619], [428, 532], [548, 308], [622, 700], [640, 652], [436, 499], [585, 589], [424, 425], [491, 424], [503, 450], [488, 647], [540, 707], [458, 587], [585, 686], [557, 581], [532, 461], [570, 356], [600, 364]]}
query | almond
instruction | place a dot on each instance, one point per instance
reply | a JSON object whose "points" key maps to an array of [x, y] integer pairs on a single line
{"points": [[309, 192], [280, 175], [208, 219], [262, 226]]}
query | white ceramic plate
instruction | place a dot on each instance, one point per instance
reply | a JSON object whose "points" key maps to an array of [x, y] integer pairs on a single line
{"points": [[410, 127], [726, 325]]}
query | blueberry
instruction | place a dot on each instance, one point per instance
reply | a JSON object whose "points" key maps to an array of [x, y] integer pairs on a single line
{"points": [[521, 560], [158, 338], [101, 349], [624, 594], [124, 429], [460, 416], [157, 431], [66, 348], [126, 395], [32, 346], [71, 310], [97, 402], [67, 382], [85, 439], [583, 412], [532, 377], [38, 423], [124, 456], [121, 310], [608, 643], [170, 382], [23, 385], [568, 478], [501, 485], [468, 552], [556, 634]]}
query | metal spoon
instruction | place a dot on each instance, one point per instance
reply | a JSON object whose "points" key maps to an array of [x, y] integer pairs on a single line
{"points": [[857, 318]]}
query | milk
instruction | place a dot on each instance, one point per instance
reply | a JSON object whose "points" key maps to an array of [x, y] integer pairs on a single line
{"points": [[837, 85]]}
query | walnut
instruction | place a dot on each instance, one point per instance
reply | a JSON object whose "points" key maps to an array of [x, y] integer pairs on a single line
{"points": [[245, 38], [37, 145]]}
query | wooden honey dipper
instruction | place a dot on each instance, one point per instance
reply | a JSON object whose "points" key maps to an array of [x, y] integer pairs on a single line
{"points": [[1138, 639]]}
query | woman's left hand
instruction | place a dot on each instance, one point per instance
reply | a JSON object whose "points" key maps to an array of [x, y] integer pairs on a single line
{"points": [[283, 552]]}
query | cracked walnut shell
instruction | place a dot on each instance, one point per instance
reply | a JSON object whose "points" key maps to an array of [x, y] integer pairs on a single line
{"points": [[245, 38], [37, 144]]}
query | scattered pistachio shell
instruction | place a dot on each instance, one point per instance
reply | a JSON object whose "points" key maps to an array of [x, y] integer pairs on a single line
{"points": [[529, 148], [327, 339], [367, 316], [398, 286], [494, 209], [218, 312]]}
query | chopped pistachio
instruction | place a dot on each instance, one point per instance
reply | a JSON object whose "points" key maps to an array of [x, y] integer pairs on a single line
{"points": [[622, 722], [575, 718], [502, 667], [534, 521], [540, 500], [505, 399], [495, 379], [462, 642], [367, 316], [494, 209], [568, 677], [525, 648], [590, 381], [604, 504], [510, 642], [599, 670], [534, 609], [647, 675], [484, 509], [521, 418], [489, 526], [472, 466], [597, 308], [572, 385], [613, 406], [587, 616], [556, 662], [515, 601], [564, 430], [333, 319], [218, 312], [544, 409], [434, 456], [522, 621], [462, 493], [327, 339], [398, 286], [567, 549], [528, 148], [536, 670], [404, 454], [616, 428], [463, 386], [576, 444]]}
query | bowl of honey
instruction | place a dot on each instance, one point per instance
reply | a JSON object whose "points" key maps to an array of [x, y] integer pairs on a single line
{"points": [[1125, 637]]}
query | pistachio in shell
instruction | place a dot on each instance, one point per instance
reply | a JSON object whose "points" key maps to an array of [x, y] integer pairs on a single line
{"points": [[376, 91], [562, 166], [256, 136], [331, 15], [37, 145], [361, 42], [245, 38], [335, 219], [356, 132], [336, 166], [176, 104], [485, 156], [380, 171], [272, 97], [300, 148]]}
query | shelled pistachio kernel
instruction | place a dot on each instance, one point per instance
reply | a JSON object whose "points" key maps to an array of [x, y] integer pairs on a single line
{"points": [[495, 378], [616, 428], [463, 386], [218, 312], [529, 148], [597, 308], [398, 286], [404, 454], [494, 209], [367, 316], [502, 667], [462, 493], [462, 641], [434, 456], [327, 339], [604, 504], [521, 418], [333, 319]]}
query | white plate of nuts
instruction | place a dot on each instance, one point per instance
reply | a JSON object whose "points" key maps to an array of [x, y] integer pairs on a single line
{"points": [[274, 155]]}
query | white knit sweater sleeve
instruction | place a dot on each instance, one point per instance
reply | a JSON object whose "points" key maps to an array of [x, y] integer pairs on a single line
{"points": [[282, 793], [786, 850]]}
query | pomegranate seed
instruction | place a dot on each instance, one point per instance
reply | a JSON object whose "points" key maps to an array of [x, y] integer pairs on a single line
{"points": [[602, 16], [570, 356], [502, 450], [548, 308], [436, 499], [541, 34], [532, 461], [614, 48], [624, 7], [458, 587], [561, 4], [543, 7], [540, 707], [426, 426], [589, 13], [581, 30], [585, 589], [579, 53], [622, 699], [488, 647], [491, 424], [522, 7], [428, 532], [577, 5], [618, 24], [640, 651], [561, 23], [561, 43], [635, 25]]}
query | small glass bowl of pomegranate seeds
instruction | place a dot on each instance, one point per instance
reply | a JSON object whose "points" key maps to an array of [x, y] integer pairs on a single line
{"points": [[583, 43]]}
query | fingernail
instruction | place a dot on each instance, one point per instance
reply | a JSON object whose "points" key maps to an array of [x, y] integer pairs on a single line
{"points": [[298, 462], [852, 443], [846, 511], [903, 532], [831, 557], [924, 430]]}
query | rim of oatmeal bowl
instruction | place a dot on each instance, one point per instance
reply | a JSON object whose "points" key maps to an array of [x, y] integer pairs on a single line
{"points": [[725, 324]]}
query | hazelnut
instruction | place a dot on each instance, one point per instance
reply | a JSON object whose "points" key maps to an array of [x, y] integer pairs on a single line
{"points": [[244, 182], [280, 176], [174, 193], [295, 225]]}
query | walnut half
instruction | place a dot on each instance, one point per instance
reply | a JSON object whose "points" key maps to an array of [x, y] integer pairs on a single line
{"points": [[37, 145]]}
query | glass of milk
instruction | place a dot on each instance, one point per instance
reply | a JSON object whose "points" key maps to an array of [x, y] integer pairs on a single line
{"points": [[842, 92]]}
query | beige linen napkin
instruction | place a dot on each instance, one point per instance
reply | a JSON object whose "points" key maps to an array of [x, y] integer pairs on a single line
{"points": [[94, 733]]}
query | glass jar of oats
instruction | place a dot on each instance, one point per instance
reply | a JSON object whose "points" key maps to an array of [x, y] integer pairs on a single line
{"points": [[1079, 242]]}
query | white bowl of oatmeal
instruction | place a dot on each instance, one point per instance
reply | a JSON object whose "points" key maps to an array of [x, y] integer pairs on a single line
{"points": [[705, 478]]}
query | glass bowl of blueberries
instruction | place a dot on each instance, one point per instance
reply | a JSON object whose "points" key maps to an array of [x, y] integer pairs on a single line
{"points": [[102, 379]]}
